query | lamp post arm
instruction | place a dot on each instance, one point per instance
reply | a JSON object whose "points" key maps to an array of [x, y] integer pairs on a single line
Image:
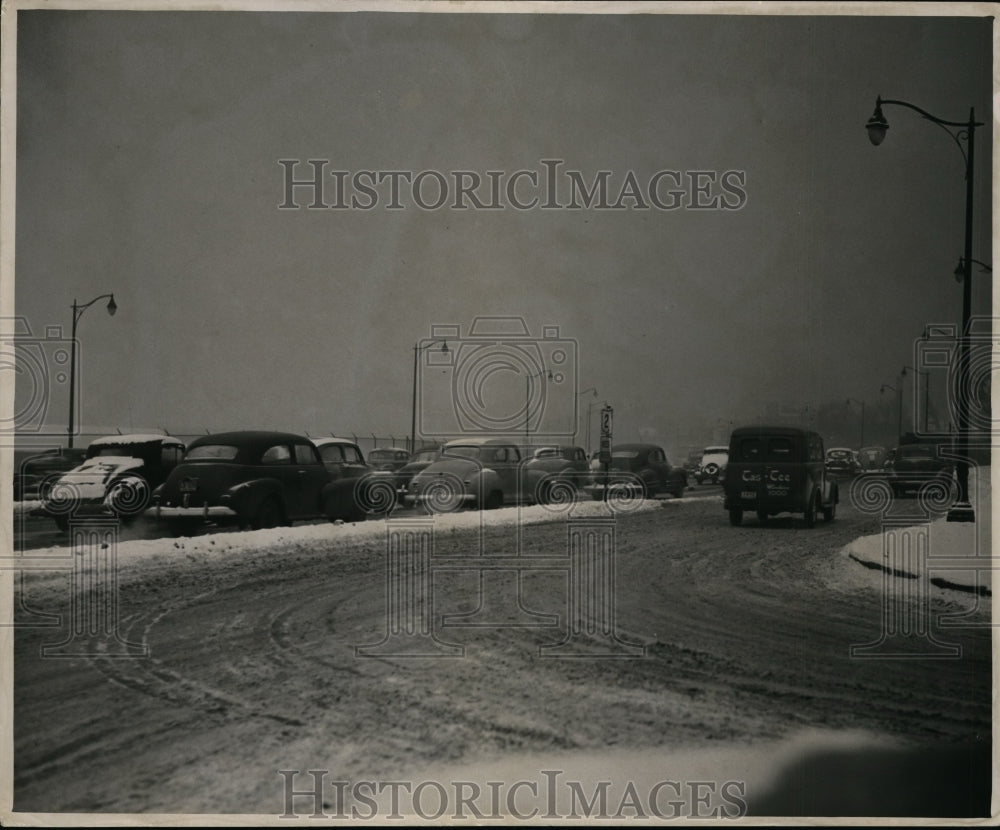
{"points": [[927, 115], [78, 308], [967, 128]]}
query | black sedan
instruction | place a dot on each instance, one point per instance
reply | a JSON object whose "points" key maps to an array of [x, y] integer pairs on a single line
{"points": [[254, 479]]}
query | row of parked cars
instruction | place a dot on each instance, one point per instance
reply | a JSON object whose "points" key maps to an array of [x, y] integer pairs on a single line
{"points": [[258, 479]]}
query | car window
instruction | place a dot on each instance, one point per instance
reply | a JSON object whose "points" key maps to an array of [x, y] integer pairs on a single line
{"points": [[331, 454], [750, 449], [212, 452], [169, 456], [305, 454], [779, 449], [116, 451], [278, 454], [352, 455]]}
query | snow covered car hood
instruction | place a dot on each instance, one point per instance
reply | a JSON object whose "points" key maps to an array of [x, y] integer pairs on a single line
{"points": [[91, 478]]}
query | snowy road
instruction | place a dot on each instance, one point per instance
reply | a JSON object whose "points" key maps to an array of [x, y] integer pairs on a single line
{"points": [[728, 639]]}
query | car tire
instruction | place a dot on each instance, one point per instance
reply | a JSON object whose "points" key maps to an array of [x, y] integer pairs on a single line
{"points": [[810, 511], [830, 513], [735, 517], [62, 523], [268, 515]]}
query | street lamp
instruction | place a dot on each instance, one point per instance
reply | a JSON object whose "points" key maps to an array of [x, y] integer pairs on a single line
{"points": [[78, 310], [417, 349], [855, 400], [899, 405], [590, 414], [916, 422], [877, 126], [960, 268], [579, 395], [527, 399]]}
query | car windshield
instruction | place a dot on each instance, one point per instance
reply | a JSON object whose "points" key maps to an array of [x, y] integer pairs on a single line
{"points": [[425, 455], [212, 452], [383, 455], [625, 454]]}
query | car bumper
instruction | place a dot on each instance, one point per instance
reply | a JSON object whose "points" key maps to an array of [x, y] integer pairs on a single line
{"points": [[420, 500], [204, 512]]}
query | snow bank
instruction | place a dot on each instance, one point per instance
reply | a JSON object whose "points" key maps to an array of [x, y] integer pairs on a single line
{"points": [[324, 537], [958, 540]]}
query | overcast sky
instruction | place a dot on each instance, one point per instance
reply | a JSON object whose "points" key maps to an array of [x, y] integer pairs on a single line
{"points": [[148, 149]]}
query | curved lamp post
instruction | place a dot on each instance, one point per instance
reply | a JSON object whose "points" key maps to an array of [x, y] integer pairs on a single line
{"points": [[527, 399], [899, 408], [78, 310], [417, 349], [965, 131], [855, 400], [902, 374], [593, 392]]}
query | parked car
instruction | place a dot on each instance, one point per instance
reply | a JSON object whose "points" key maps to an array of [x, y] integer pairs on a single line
{"points": [[419, 460], [713, 464], [257, 479], [843, 461], [914, 466], [341, 457], [117, 478], [642, 466], [388, 458], [560, 471], [34, 474], [872, 458], [778, 470], [476, 472]]}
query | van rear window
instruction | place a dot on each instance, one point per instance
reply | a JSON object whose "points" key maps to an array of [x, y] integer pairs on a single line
{"points": [[766, 449]]}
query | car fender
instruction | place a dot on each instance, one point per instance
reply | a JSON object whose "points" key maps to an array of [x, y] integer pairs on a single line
{"points": [[247, 496], [483, 482]]}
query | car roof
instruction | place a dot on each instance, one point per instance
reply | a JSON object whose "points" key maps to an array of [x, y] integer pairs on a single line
{"points": [[326, 442], [248, 438], [717, 449], [840, 449], [480, 442], [635, 447], [772, 430], [134, 438]]}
